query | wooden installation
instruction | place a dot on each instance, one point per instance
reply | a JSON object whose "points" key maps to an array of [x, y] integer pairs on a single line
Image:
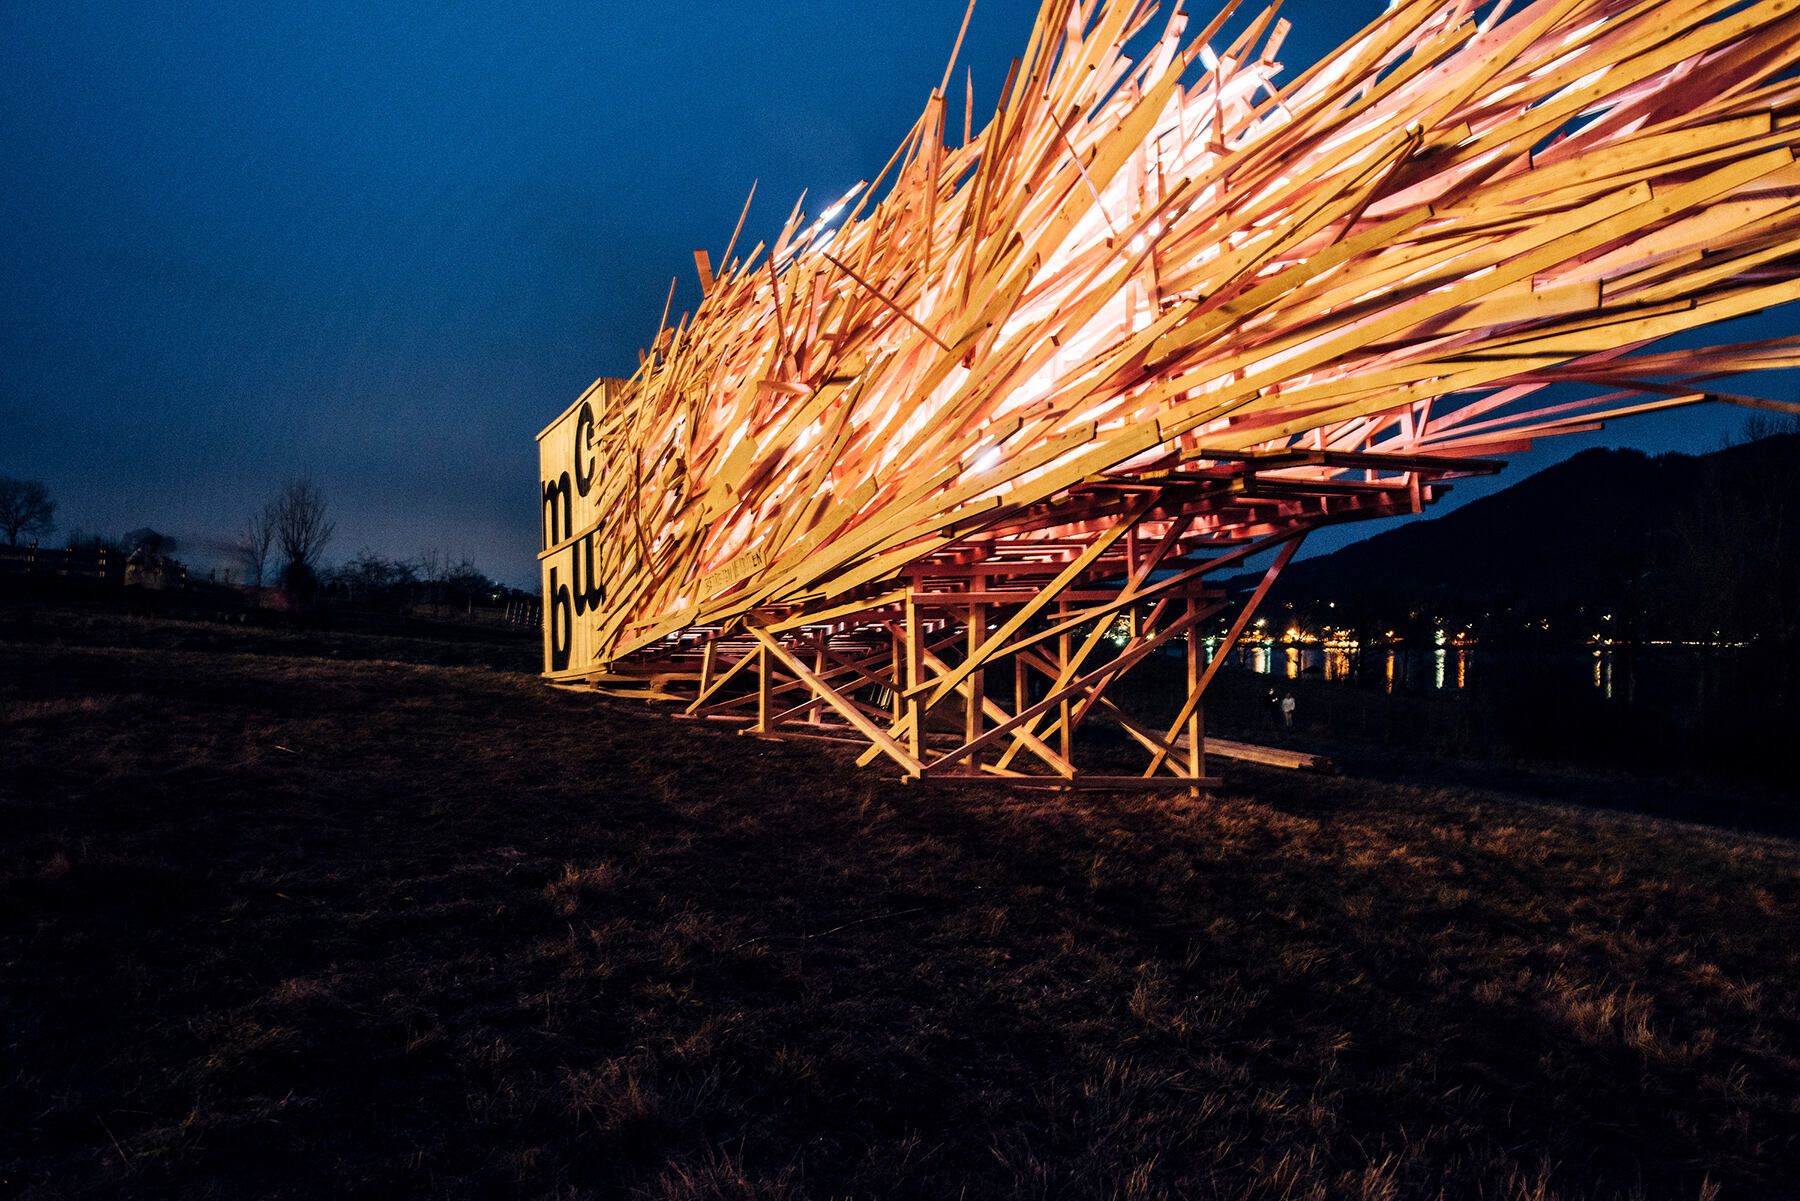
{"points": [[936, 468]]}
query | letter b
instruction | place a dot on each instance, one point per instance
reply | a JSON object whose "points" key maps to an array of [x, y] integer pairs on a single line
{"points": [[562, 624]]}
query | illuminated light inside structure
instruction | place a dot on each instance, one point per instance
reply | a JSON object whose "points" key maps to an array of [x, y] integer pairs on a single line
{"points": [[1153, 317]]}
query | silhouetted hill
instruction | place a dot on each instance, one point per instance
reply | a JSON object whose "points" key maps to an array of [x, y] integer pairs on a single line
{"points": [[1672, 542]]}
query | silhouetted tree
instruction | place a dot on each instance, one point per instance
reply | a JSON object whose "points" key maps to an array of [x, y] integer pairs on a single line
{"points": [[372, 581], [25, 508], [462, 583], [255, 541], [428, 565], [302, 531], [1758, 426], [430, 578]]}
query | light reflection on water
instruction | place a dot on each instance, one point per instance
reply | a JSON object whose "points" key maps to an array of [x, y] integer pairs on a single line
{"points": [[1440, 668], [1677, 676]]}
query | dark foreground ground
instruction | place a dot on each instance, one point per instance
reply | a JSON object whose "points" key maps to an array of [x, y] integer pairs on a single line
{"points": [[301, 915]]}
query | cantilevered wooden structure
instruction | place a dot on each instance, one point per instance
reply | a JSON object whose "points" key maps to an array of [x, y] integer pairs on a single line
{"points": [[905, 470]]}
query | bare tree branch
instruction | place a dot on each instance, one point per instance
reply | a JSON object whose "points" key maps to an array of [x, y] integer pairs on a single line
{"points": [[302, 529], [256, 540], [25, 508]]}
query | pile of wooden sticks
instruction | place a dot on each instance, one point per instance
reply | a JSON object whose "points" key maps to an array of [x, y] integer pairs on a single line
{"points": [[1140, 268]]}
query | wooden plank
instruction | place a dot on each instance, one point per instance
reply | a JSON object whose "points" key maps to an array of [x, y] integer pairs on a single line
{"points": [[1268, 756]]}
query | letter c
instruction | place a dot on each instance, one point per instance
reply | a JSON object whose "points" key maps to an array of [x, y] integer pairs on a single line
{"points": [[584, 439]]}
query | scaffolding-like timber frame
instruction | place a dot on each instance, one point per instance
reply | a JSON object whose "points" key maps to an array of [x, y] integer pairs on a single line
{"points": [[991, 655]]}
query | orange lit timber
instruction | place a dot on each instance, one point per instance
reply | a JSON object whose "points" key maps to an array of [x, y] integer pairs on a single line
{"points": [[904, 469]]}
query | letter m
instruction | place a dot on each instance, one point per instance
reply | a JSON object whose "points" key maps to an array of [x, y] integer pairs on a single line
{"points": [[555, 528]]}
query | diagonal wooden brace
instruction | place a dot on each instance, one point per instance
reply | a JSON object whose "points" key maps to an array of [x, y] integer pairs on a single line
{"points": [[1192, 704], [845, 709]]}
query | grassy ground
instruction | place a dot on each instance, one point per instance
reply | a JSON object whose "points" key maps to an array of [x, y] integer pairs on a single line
{"points": [[320, 915]]}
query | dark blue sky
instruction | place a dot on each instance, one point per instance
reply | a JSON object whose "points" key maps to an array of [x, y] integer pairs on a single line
{"points": [[384, 243]]}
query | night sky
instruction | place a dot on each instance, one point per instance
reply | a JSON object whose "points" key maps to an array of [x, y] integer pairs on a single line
{"points": [[383, 244]]}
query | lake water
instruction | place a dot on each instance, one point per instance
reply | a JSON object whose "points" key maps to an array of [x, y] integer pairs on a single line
{"points": [[1699, 675], [1391, 668]]}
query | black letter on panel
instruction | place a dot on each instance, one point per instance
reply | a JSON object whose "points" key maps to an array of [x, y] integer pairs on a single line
{"points": [[554, 530], [562, 623], [588, 594], [584, 439]]}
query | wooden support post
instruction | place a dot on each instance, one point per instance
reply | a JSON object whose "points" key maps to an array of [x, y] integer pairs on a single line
{"points": [[1064, 649], [897, 690], [1196, 761], [916, 706], [815, 711], [977, 694], [763, 670], [707, 657]]}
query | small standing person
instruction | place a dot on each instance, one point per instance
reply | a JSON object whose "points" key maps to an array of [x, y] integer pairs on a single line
{"points": [[1287, 710]]}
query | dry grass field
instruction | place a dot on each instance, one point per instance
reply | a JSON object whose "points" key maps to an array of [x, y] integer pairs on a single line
{"points": [[291, 914]]}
